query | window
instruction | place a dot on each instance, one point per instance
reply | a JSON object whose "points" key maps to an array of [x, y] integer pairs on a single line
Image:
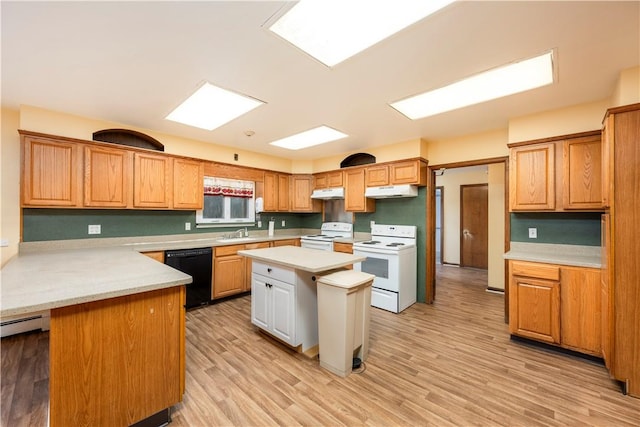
{"points": [[227, 201]]}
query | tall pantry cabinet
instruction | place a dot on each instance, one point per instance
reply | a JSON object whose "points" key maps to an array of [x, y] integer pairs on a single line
{"points": [[621, 281]]}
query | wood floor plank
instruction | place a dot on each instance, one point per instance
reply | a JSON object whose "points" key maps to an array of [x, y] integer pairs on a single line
{"points": [[447, 364]]}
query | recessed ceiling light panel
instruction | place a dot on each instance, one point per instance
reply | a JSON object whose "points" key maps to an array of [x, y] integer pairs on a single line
{"points": [[497, 83], [210, 107], [334, 30], [309, 138]]}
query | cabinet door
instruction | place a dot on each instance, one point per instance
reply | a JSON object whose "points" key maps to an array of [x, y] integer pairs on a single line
{"points": [[228, 275], [354, 192], [107, 177], [377, 175], [284, 311], [532, 177], [582, 173], [152, 184], [286, 242], [409, 172], [607, 160], [334, 179], [534, 308], [283, 193], [581, 309], [261, 304], [270, 194], [301, 200], [50, 173], [188, 184], [606, 301]]}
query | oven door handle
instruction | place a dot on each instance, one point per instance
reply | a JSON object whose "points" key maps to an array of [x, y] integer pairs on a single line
{"points": [[365, 252]]}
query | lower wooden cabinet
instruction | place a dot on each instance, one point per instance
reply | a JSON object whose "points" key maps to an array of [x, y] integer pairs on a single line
{"points": [[346, 248], [556, 304], [157, 255], [232, 272], [286, 242], [534, 301]]}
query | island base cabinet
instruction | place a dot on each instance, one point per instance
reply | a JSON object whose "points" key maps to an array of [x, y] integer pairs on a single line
{"points": [[284, 304], [117, 361]]}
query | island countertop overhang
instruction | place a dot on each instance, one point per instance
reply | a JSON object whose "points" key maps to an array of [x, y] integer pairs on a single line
{"points": [[52, 279], [306, 259]]}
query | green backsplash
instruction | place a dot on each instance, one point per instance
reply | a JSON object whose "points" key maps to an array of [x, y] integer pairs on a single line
{"points": [[64, 224], [557, 227], [403, 211]]}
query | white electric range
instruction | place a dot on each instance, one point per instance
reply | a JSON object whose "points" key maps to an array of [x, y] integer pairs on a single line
{"points": [[329, 231], [392, 258]]}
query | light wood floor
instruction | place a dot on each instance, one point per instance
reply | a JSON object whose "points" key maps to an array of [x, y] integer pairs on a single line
{"points": [[449, 364]]}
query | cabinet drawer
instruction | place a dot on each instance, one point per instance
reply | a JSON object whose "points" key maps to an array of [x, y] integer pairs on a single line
{"points": [[228, 250], [537, 270], [283, 274], [346, 248], [258, 245]]}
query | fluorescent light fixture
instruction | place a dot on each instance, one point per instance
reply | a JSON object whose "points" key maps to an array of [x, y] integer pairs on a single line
{"points": [[334, 30], [507, 80], [309, 138], [210, 107]]}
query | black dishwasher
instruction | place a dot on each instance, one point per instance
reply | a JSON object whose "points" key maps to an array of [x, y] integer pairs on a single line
{"points": [[197, 264]]}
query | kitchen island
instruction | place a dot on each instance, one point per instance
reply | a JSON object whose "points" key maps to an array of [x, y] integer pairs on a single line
{"points": [[284, 295], [117, 344]]}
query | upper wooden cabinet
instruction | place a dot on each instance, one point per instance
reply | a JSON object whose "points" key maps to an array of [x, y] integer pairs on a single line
{"points": [[51, 173], [582, 173], [377, 175], [107, 177], [401, 172], [330, 179], [188, 184], [532, 177], [301, 189], [354, 200], [276, 192], [557, 174], [152, 184]]}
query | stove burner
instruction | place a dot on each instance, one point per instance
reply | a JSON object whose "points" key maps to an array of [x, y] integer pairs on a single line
{"points": [[394, 244], [371, 242]]}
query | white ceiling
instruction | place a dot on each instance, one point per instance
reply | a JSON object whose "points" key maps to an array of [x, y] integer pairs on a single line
{"points": [[133, 62]]}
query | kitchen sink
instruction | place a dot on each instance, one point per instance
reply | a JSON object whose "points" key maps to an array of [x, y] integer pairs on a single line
{"points": [[236, 239]]}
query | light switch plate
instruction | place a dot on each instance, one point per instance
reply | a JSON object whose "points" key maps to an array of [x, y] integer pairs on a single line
{"points": [[187, 226], [283, 223], [259, 224], [533, 233], [95, 229]]}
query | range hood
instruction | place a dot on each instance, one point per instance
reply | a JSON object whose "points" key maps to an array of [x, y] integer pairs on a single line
{"points": [[328, 193], [390, 191]]}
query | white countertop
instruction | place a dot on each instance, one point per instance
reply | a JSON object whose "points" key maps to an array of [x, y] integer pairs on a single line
{"points": [[44, 280], [574, 255], [311, 260]]}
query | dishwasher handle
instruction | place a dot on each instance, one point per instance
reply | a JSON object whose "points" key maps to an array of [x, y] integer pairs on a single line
{"points": [[184, 253]]}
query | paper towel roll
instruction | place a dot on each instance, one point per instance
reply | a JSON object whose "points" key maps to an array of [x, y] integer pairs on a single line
{"points": [[271, 227]]}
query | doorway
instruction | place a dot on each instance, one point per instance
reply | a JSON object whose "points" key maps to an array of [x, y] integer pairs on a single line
{"points": [[499, 222], [474, 226]]}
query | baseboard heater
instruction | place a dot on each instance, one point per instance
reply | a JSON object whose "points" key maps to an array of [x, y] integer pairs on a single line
{"points": [[12, 326]]}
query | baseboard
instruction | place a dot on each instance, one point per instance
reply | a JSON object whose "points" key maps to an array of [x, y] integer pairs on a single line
{"points": [[495, 290]]}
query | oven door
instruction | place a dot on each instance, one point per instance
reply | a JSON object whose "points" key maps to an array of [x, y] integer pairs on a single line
{"points": [[381, 263], [322, 245]]}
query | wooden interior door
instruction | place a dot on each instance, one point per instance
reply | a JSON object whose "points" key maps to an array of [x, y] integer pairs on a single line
{"points": [[474, 226]]}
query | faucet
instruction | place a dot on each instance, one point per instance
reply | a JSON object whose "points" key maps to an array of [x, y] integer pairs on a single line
{"points": [[242, 232]]}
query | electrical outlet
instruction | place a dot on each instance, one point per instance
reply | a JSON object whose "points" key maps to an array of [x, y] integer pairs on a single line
{"points": [[4, 243], [187, 226], [372, 223], [533, 233], [259, 224], [283, 223], [95, 229]]}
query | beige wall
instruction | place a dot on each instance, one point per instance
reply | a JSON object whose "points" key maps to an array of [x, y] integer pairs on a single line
{"points": [[497, 220], [574, 119], [477, 146], [627, 88], [385, 153], [10, 185]]}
